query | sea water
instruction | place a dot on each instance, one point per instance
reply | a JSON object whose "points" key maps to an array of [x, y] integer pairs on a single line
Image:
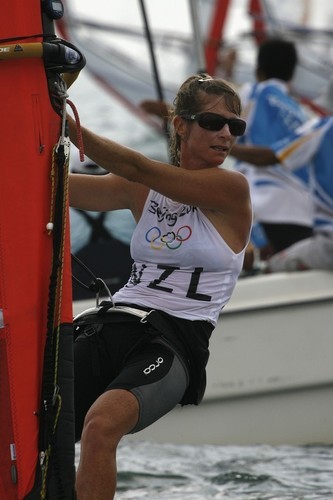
{"points": [[176, 472], [201, 472]]}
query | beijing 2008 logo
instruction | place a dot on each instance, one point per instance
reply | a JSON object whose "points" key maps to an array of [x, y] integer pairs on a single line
{"points": [[171, 240]]}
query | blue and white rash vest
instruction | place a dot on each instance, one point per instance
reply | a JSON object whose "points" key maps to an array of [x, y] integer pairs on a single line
{"points": [[279, 194], [312, 143]]}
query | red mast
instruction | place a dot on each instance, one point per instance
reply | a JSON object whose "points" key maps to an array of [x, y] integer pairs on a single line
{"points": [[216, 34], [259, 26]]}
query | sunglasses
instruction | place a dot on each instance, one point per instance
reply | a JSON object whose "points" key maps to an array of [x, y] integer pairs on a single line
{"points": [[213, 121]]}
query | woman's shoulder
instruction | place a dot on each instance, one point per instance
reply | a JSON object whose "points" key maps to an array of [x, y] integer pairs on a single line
{"points": [[236, 177]]}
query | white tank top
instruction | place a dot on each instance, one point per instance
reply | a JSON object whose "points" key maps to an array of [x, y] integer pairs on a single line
{"points": [[182, 265]]}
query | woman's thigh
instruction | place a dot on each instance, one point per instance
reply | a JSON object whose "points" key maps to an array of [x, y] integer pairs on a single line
{"points": [[114, 359], [157, 377]]}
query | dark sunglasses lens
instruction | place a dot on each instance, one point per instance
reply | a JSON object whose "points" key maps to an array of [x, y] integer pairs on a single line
{"points": [[213, 122], [237, 127]]}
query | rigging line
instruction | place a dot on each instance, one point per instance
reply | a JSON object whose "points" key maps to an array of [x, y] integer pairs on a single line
{"points": [[152, 51], [96, 285], [23, 37], [93, 284], [83, 285], [154, 64]]}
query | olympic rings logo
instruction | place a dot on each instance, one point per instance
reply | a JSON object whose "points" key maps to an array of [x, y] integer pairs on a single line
{"points": [[170, 240], [153, 367]]}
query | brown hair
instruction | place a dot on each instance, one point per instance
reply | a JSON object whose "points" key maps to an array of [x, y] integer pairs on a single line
{"points": [[191, 98]]}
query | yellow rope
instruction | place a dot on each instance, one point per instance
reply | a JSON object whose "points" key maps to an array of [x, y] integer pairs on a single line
{"points": [[44, 475], [61, 268], [59, 291]]}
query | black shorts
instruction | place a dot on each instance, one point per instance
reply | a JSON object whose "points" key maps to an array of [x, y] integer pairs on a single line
{"points": [[127, 354]]}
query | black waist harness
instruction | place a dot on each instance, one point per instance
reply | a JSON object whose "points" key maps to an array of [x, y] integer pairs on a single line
{"points": [[188, 339]]}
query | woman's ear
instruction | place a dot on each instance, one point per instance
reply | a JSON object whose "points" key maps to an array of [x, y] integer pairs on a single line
{"points": [[179, 125]]}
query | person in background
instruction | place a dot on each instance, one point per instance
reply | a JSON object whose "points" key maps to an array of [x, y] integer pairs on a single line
{"points": [[193, 225], [281, 198], [311, 144]]}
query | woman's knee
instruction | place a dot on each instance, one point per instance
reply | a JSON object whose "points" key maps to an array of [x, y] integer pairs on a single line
{"points": [[112, 415], [97, 432]]}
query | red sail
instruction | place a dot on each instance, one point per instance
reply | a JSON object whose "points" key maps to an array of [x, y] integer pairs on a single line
{"points": [[30, 128]]}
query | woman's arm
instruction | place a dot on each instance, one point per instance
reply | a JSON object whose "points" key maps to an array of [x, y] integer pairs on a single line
{"points": [[211, 188], [99, 192]]}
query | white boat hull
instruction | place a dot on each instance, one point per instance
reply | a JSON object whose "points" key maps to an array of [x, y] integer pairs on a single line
{"points": [[270, 373], [295, 417]]}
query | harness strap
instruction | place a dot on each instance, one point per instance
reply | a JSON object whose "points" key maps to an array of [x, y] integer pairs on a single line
{"points": [[109, 308]]}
